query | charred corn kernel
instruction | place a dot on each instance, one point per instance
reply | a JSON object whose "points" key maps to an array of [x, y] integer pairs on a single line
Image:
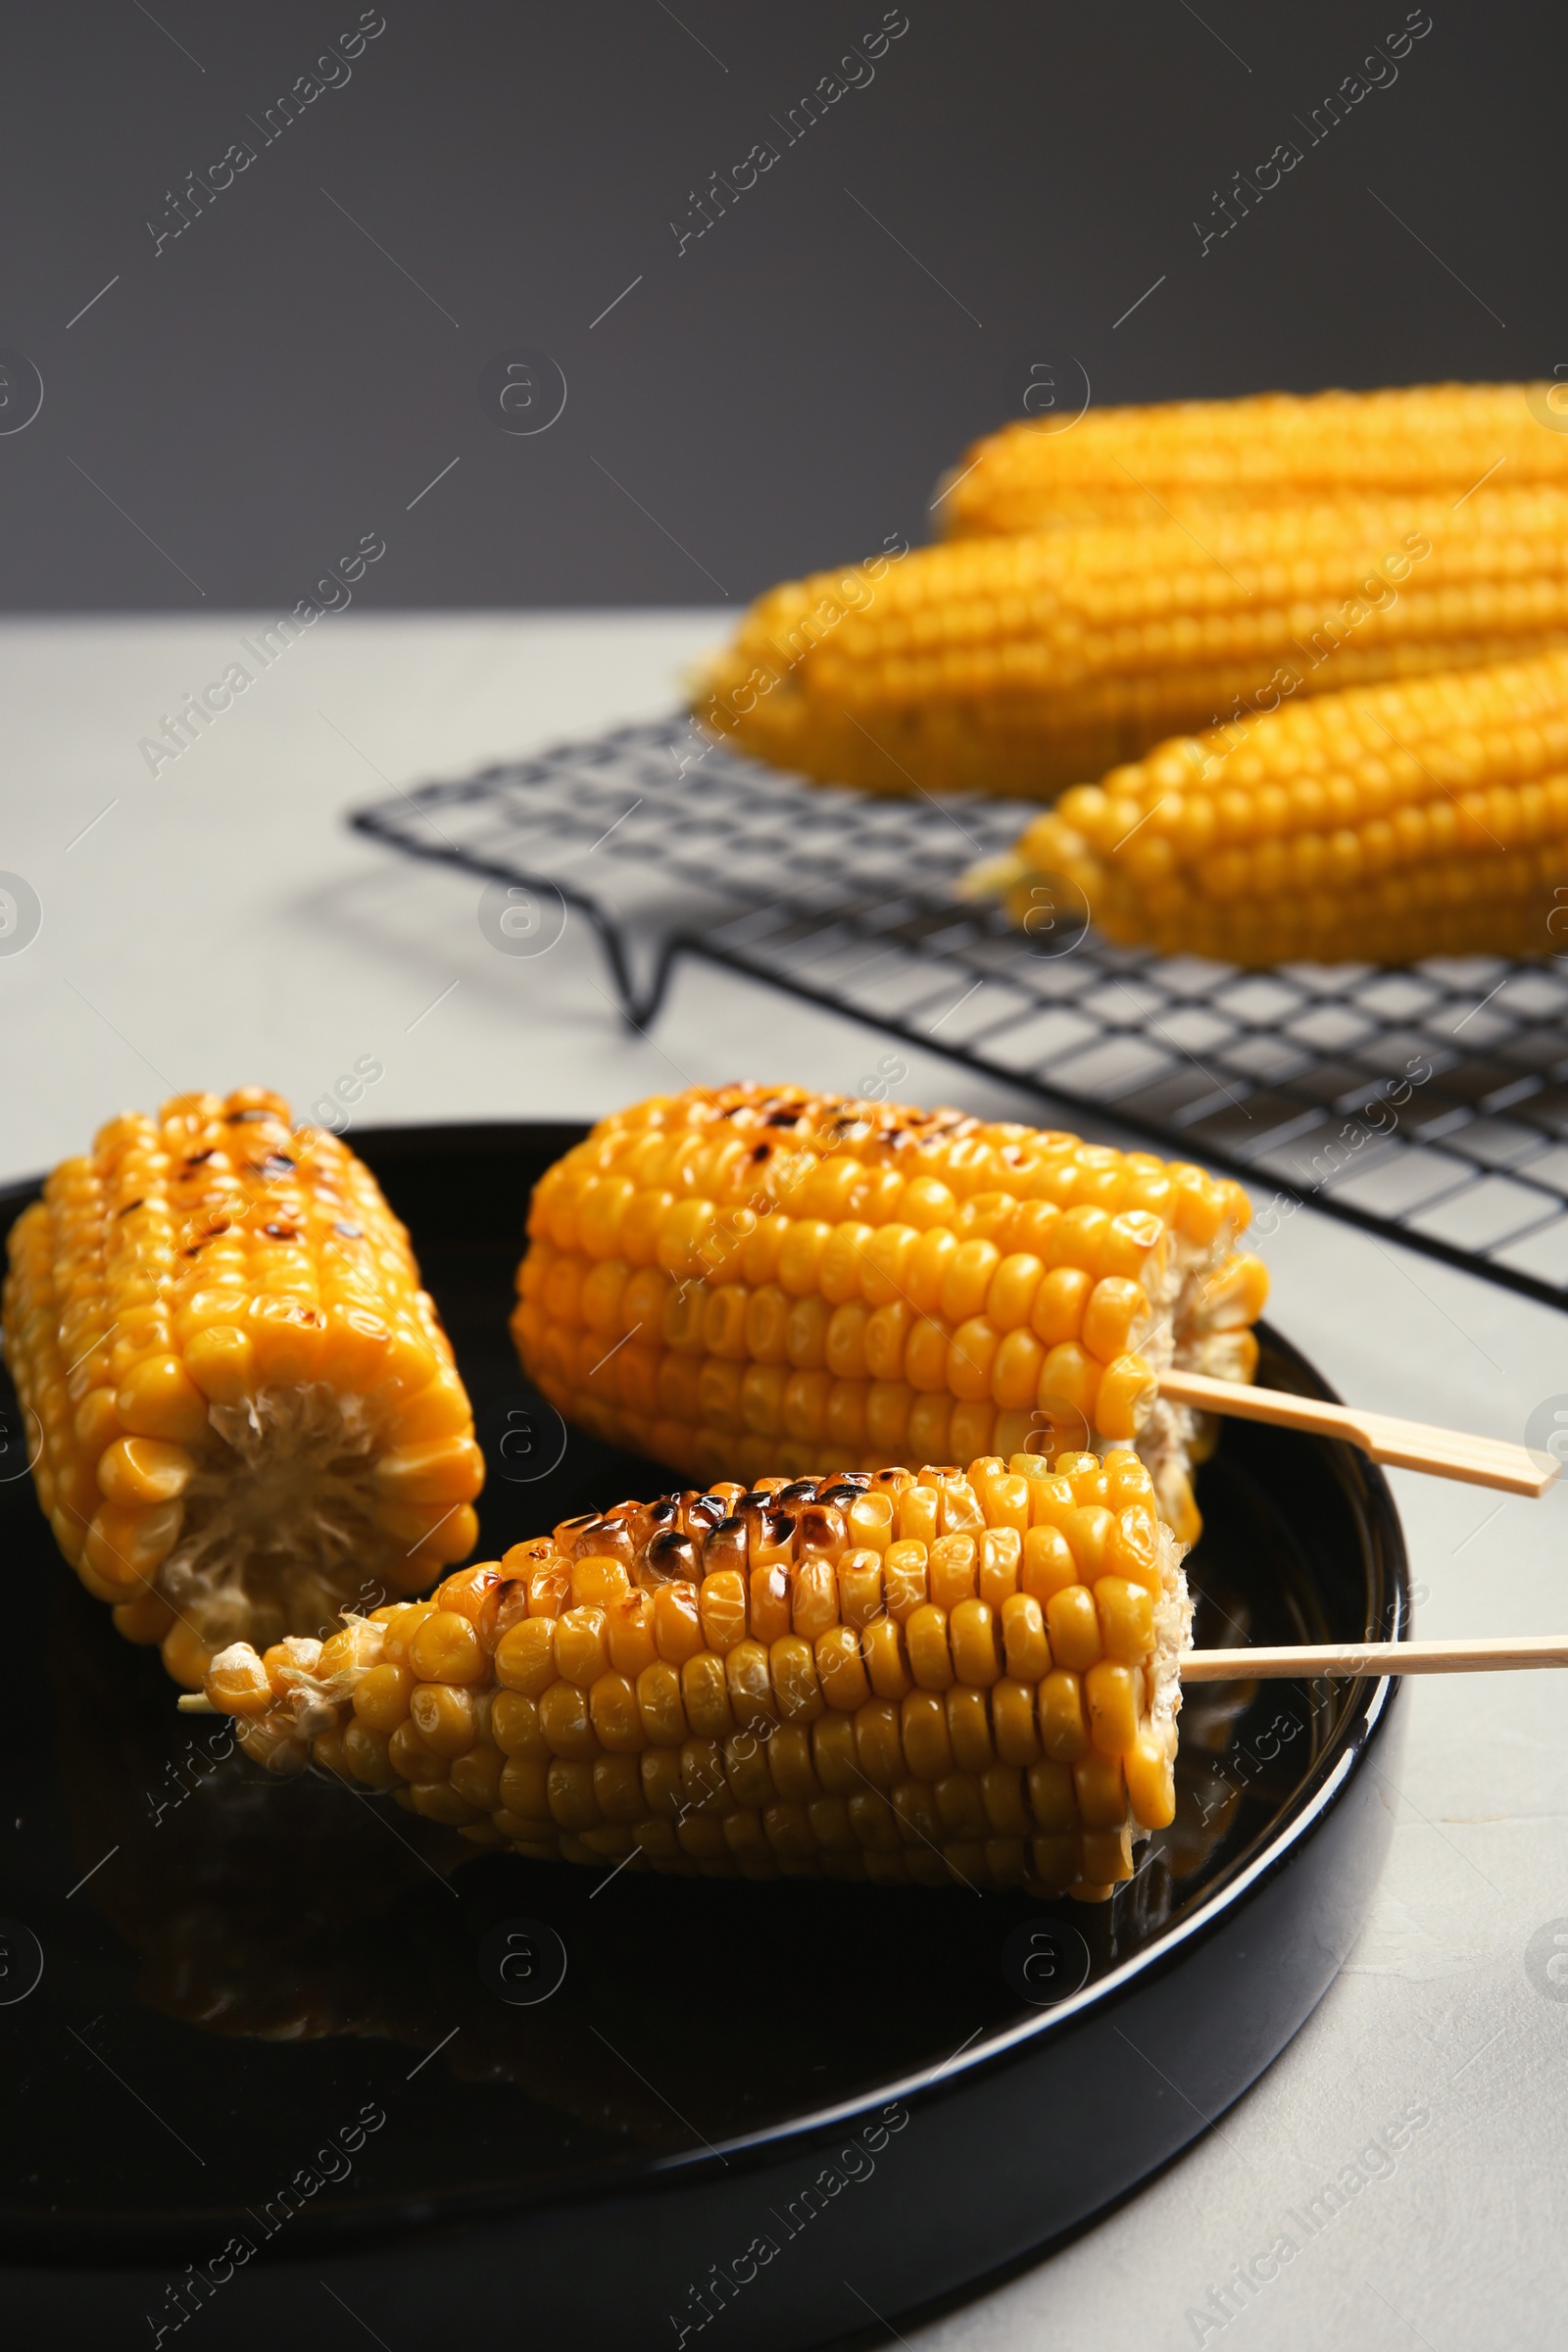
{"points": [[780, 1720], [1384, 823], [248, 1408], [1022, 665], [966, 1291], [1134, 465]]}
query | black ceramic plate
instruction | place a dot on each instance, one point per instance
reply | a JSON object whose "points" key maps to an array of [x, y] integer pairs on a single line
{"points": [[267, 2089]]}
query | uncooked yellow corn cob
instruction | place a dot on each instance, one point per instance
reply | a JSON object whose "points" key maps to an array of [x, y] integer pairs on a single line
{"points": [[248, 1410], [1192, 458], [962, 1679], [751, 1279], [1377, 826], [1015, 665]]}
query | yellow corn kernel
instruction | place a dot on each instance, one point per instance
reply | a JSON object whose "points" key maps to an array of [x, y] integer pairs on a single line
{"points": [[973, 1639], [1072, 1626], [159, 1399], [1114, 1696], [924, 1736], [887, 1661], [841, 1669], [1064, 1733], [565, 1722], [1025, 1643], [1126, 1619], [447, 1649], [1101, 1791], [1088, 1528], [1127, 1392], [135, 1472], [524, 1657], [443, 1715]]}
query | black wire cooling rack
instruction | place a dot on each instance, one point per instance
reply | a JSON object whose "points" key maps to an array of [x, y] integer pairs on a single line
{"points": [[1428, 1104]]}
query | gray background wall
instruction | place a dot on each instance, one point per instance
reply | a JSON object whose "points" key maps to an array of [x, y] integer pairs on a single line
{"points": [[289, 372]]}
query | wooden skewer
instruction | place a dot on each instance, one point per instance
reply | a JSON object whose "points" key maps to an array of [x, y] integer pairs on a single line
{"points": [[1403, 1444], [1503, 1654]]}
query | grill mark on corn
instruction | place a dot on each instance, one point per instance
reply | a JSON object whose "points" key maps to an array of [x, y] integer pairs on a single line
{"points": [[244, 1425], [953, 1677], [898, 1287]]}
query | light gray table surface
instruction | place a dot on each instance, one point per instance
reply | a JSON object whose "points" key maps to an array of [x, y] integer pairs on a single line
{"points": [[219, 925]]}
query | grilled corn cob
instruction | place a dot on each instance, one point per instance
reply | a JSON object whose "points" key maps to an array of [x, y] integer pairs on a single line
{"points": [[1377, 826], [247, 1411], [1190, 457], [1017, 666], [751, 1279], [955, 1678]]}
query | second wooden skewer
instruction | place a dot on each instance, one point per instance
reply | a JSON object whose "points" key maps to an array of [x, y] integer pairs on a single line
{"points": [[1401, 1445], [1302, 1661]]}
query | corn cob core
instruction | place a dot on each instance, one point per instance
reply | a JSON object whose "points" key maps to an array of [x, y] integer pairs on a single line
{"points": [[749, 1280], [1379, 827], [250, 1415], [1193, 457], [952, 1678], [1015, 665]]}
